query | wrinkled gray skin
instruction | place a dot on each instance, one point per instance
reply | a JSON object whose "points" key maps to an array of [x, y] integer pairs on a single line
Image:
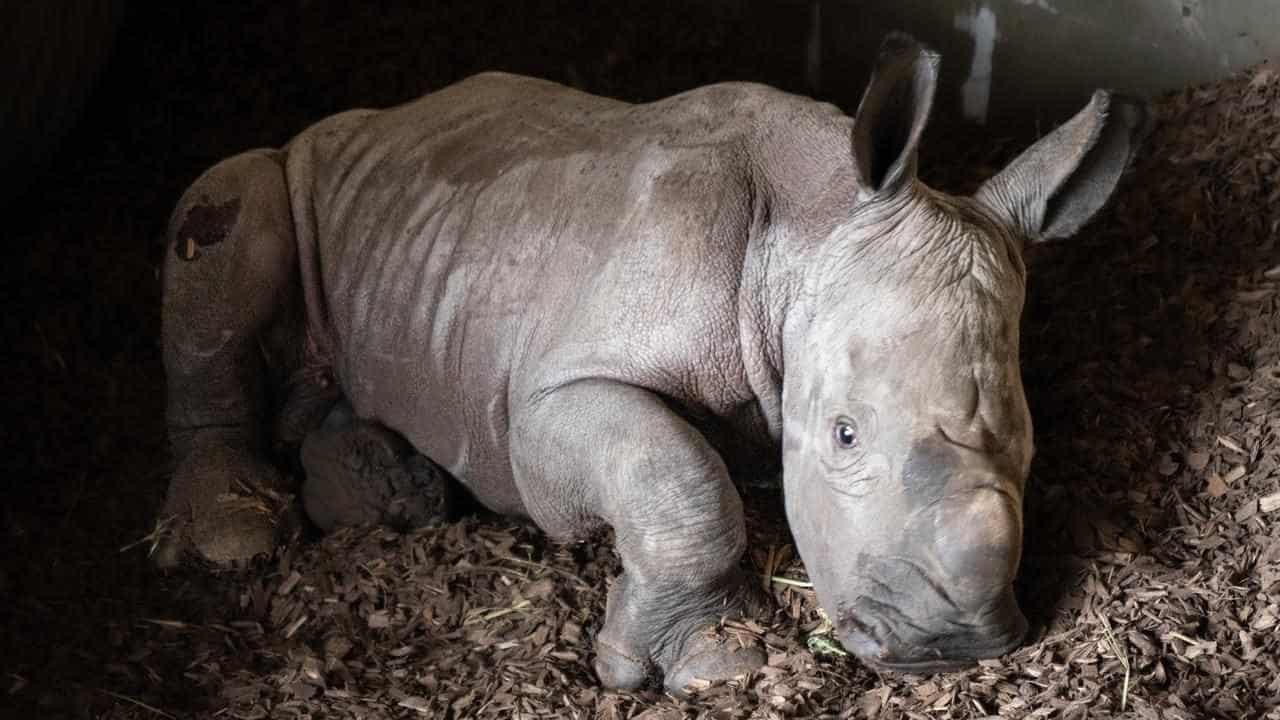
{"points": [[590, 312]]}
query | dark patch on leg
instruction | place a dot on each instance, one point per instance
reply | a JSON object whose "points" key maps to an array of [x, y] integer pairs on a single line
{"points": [[206, 225]]}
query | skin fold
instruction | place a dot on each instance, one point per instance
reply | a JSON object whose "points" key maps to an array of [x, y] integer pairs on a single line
{"points": [[591, 313]]}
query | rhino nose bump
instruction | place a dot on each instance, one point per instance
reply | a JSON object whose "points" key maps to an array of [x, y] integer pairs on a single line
{"points": [[979, 536]]}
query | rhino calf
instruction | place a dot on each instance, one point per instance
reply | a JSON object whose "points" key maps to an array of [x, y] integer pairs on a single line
{"points": [[593, 313]]}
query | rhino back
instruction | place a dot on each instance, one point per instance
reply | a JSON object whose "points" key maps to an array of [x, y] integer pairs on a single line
{"points": [[505, 236]]}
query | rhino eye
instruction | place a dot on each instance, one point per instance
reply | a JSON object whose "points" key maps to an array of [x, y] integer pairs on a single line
{"points": [[846, 435]]}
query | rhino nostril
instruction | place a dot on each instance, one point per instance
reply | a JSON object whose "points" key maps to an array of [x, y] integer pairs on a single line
{"points": [[858, 640]]}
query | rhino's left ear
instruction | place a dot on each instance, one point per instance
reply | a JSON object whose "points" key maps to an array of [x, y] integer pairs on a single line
{"points": [[1055, 186], [892, 114]]}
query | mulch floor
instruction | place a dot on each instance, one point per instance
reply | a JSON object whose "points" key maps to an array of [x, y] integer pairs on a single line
{"points": [[1151, 358]]}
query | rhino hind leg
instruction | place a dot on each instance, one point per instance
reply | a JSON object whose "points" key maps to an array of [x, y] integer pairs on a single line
{"points": [[230, 274], [362, 473]]}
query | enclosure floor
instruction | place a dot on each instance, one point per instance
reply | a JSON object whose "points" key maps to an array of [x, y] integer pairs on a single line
{"points": [[1151, 351]]}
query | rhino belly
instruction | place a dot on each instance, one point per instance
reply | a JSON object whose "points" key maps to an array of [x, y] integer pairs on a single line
{"points": [[421, 348]]}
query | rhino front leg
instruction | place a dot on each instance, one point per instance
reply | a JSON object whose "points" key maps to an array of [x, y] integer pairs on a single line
{"points": [[230, 266], [596, 450]]}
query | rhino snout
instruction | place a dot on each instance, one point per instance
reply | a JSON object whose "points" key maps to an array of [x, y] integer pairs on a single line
{"points": [[945, 598], [884, 636]]}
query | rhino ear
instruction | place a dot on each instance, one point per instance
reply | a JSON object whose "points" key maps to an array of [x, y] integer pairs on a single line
{"points": [[892, 114], [1055, 186]]}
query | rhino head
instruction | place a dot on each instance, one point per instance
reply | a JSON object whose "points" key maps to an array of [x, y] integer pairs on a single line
{"points": [[906, 433]]}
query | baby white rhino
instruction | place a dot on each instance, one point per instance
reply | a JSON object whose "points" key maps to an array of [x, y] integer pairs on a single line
{"points": [[591, 313]]}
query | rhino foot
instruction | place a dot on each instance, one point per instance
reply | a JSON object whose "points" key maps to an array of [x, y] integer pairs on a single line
{"points": [[225, 505], [709, 657], [712, 656], [362, 473], [692, 654]]}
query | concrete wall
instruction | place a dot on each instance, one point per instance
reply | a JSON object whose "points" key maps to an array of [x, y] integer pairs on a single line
{"points": [[1033, 61]]}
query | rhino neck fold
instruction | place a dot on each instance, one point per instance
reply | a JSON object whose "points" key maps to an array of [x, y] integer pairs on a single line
{"points": [[803, 188], [769, 281]]}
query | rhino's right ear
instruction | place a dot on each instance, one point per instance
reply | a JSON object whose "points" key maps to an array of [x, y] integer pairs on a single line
{"points": [[892, 114], [1055, 186]]}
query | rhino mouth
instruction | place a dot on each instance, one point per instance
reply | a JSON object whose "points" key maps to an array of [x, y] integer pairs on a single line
{"points": [[883, 637], [924, 664]]}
